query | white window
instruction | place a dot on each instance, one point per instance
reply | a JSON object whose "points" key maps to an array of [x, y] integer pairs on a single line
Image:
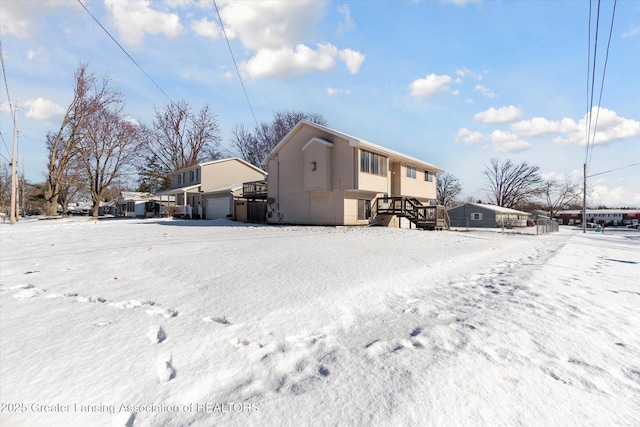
{"points": [[476, 216], [428, 176], [411, 172], [373, 163]]}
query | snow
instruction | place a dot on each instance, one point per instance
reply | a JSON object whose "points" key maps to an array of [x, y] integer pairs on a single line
{"points": [[179, 322]]}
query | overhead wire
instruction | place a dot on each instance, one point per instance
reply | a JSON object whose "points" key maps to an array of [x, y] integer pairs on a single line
{"points": [[171, 101], [604, 72], [6, 86], [235, 64], [593, 78]]}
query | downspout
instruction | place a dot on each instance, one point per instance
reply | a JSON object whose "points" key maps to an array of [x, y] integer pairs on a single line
{"points": [[278, 186]]}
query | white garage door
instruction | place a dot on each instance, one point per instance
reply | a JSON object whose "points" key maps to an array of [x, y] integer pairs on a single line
{"points": [[218, 208]]}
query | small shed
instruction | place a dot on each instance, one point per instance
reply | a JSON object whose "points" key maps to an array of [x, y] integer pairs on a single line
{"points": [[486, 216]]}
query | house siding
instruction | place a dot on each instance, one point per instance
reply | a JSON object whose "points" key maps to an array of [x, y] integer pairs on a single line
{"points": [[330, 194]]}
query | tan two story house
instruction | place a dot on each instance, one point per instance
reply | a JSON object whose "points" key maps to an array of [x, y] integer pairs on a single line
{"points": [[207, 190], [317, 175]]}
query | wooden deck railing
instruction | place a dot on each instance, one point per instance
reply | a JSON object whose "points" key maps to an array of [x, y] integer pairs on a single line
{"points": [[254, 190], [422, 216]]}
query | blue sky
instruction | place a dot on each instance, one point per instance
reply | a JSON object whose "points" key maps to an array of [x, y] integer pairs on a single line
{"points": [[454, 83]]}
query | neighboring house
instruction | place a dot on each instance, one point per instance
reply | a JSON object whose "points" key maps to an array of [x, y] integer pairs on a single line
{"points": [[207, 190], [132, 204], [486, 216], [611, 217], [320, 176]]}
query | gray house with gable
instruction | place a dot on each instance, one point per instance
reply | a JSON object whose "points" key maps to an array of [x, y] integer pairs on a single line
{"points": [[486, 216]]}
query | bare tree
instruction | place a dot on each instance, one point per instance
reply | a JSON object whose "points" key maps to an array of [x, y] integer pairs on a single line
{"points": [[177, 138], [108, 147], [511, 185], [255, 146], [89, 96], [447, 189], [559, 195], [5, 187]]}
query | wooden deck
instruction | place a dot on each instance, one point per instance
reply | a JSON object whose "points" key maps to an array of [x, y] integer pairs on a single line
{"points": [[422, 216], [256, 190]]}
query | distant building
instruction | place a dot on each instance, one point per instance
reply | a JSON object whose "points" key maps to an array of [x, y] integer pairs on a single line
{"points": [[610, 217], [486, 216]]}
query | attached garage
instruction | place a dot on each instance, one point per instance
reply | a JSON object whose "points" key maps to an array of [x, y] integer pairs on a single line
{"points": [[220, 202], [219, 207]]}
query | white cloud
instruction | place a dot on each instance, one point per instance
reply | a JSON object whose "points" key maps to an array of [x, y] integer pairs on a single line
{"points": [[31, 54], [336, 91], [272, 25], [609, 128], [485, 91], [353, 60], [499, 115], [287, 63], [632, 32], [135, 18], [20, 17], [470, 137], [465, 72], [348, 23], [206, 28], [507, 142], [278, 32], [43, 109], [430, 85], [602, 194]]}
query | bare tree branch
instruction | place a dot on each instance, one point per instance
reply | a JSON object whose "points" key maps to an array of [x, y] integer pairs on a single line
{"points": [[512, 185]]}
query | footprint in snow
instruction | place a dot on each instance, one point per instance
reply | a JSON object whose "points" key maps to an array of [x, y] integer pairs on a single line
{"points": [[28, 291], [123, 419], [156, 335], [220, 320], [164, 312], [240, 343], [165, 370]]}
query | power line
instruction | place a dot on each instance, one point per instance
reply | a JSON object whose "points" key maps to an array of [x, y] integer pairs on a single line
{"points": [[235, 64], [613, 170], [6, 86], [593, 78], [125, 52], [604, 72], [171, 101]]}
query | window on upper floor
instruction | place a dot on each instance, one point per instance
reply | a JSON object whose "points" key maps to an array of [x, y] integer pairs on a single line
{"points": [[373, 163], [411, 172], [181, 178], [428, 176], [193, 175]]}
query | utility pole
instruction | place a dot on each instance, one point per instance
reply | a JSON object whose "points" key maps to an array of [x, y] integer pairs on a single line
{"points": [[584, 200], [14, 173]]}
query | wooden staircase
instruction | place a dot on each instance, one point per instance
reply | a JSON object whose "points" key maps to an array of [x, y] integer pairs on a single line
{"points": [[422, 216]]}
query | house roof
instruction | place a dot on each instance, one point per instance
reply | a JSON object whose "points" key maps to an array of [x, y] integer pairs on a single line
{"points": [[221, 161], [354, 142], [226, 189], [494, 208], [177, 190], [135, 195]]}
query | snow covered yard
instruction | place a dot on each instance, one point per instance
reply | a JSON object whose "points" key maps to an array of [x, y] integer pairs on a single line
{"points": [[150, 322]]}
